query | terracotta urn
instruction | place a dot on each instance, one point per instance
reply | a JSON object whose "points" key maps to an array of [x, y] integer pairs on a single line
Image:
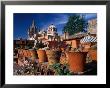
{"points": [[42, 56], [24, 53], [93, 54], [28, 53], [76, 61], [53, 56], [33, 54]]}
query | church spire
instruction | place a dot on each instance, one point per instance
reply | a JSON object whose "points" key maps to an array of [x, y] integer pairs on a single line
{"points": [[33, 23]]}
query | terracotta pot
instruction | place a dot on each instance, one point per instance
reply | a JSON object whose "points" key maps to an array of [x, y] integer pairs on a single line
{"points": [[28, 53], [76, 61], [33, 54], [93, 54], [53, 56], [24, 53], [42, 56]]}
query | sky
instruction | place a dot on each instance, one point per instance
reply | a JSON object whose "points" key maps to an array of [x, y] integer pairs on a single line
{"points": [[22, 21]]}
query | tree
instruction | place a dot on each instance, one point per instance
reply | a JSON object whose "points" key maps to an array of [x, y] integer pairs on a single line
{"points": [[75, 24]]}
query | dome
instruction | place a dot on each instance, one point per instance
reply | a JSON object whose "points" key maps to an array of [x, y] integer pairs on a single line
{"points": [[52, 27]]}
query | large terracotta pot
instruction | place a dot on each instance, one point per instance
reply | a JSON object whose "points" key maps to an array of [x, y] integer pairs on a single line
{"points": [[42, 56], [53, 56], [33, 54], [28, 53], [24, 53], [76, 61], [93, 54]]}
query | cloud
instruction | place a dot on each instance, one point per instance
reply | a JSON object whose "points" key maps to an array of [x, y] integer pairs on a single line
{"points": [[57, 20], [62, 19]]}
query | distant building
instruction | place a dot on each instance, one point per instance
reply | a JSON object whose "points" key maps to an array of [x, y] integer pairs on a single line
{"points": [[66, 35], [51, 38], [43, 36], [50, 35], [52, 32], [92, 26], [74, 40]]}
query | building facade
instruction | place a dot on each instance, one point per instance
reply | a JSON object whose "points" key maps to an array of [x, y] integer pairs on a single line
{"points": [[92, 26]]}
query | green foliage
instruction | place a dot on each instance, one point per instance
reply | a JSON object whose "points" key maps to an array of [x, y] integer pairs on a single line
{"points": [[39, 45], [75, 24], [94, 47], [61, 69]]}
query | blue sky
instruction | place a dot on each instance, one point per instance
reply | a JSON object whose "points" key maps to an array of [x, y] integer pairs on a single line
{"points": [[22, 21]]}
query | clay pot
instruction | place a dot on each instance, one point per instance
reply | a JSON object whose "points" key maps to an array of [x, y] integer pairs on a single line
{"points": [[24, 53], [33, 54], [53, 56], [76, 61], [28, 53], [42, 56], [93, 54]]}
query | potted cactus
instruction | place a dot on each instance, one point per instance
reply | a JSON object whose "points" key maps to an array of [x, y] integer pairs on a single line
{"points": [[33, 54], [63, 58], [53, 56]]}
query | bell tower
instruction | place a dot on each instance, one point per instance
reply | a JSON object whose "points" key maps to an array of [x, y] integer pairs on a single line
{"points": [[32, 31]]}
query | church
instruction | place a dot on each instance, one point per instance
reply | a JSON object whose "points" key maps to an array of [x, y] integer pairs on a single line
{"points": [[50, 34], [46, 37]]}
